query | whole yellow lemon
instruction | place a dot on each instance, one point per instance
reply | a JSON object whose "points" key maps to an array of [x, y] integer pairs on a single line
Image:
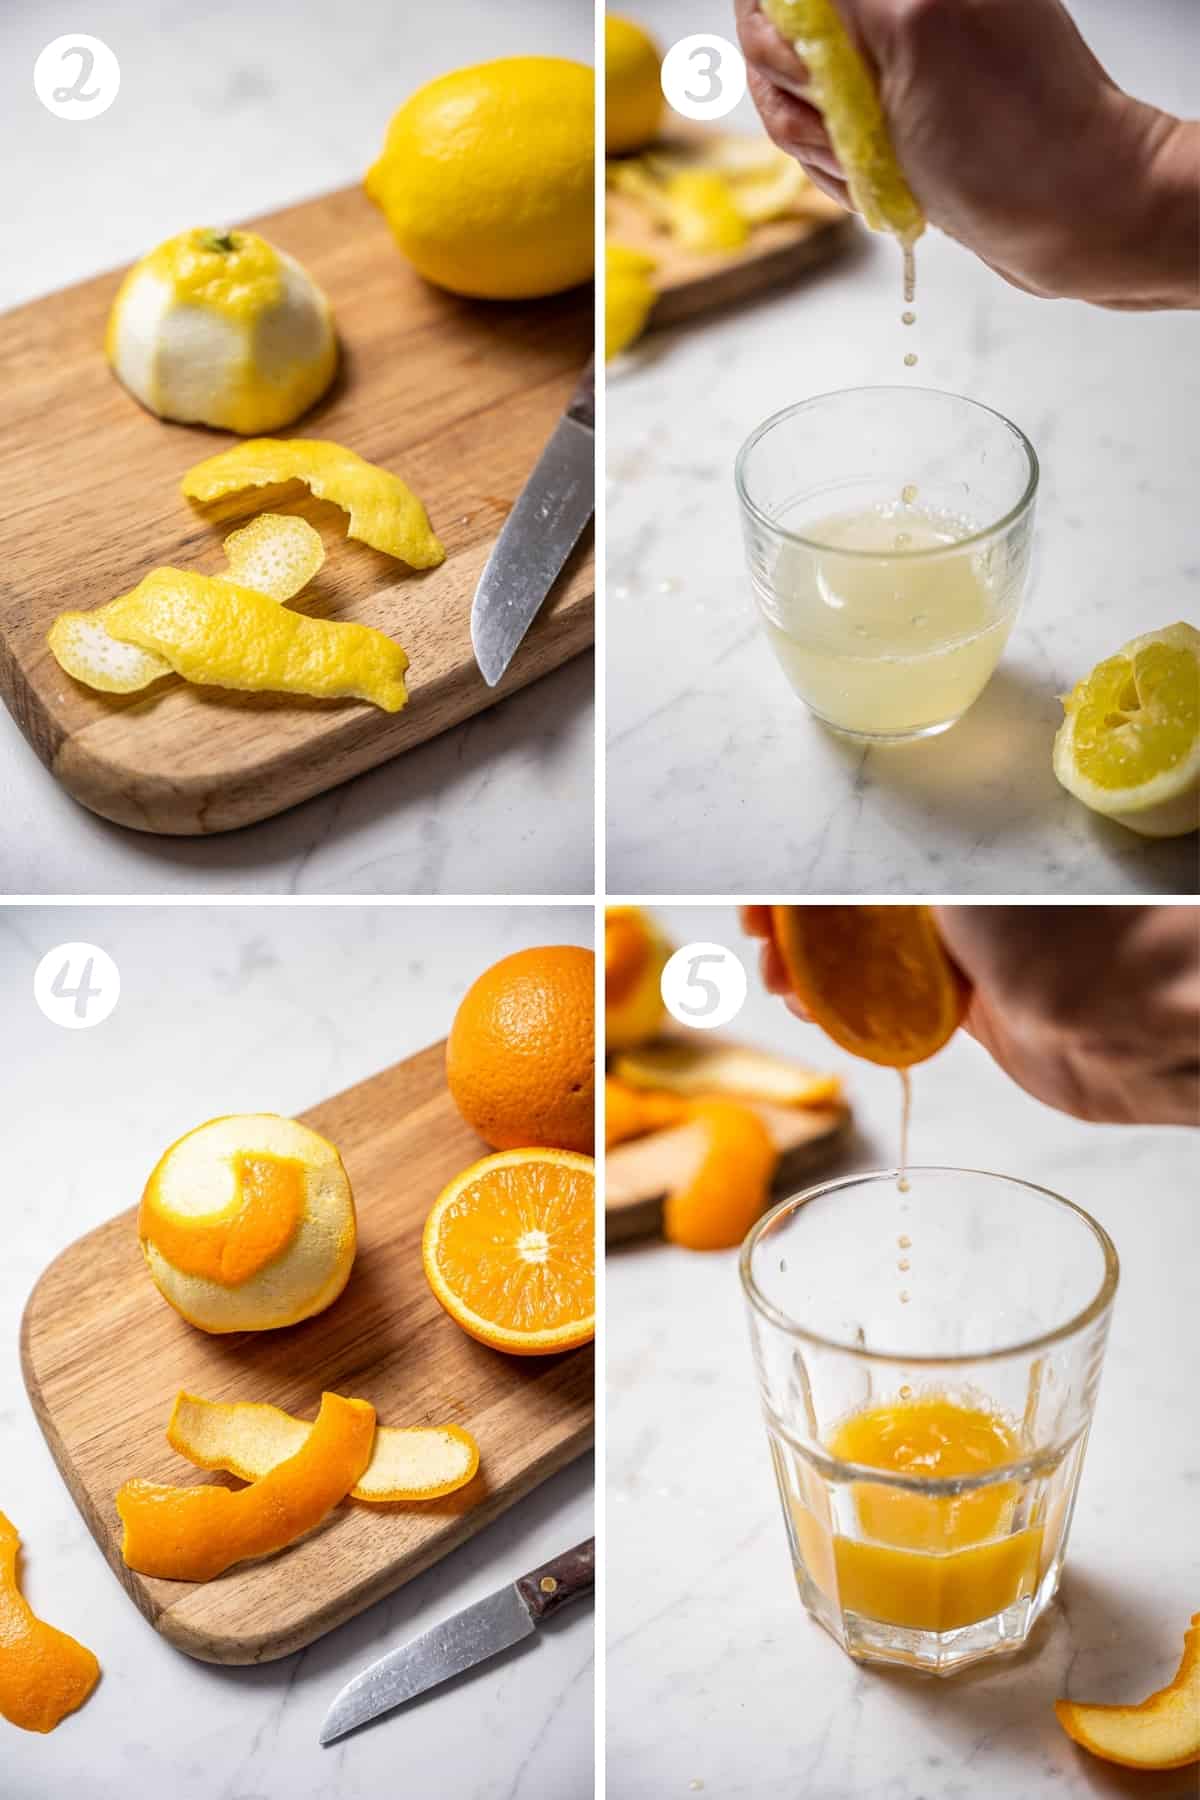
{"points": [[486, 178], [633, 96]]}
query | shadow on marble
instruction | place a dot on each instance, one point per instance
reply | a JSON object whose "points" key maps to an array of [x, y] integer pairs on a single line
{"points": [[960, 776]]}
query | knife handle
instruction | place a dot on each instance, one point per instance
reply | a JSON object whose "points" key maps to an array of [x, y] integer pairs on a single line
{"points": [[564, 1578], [582, 405]]}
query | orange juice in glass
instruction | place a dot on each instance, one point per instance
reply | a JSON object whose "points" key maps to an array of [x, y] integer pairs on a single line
{"points": [[928, 1359]]}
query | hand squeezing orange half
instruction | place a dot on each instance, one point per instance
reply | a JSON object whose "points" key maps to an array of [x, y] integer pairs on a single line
{"points": [[877, 979], [247, 1224]]}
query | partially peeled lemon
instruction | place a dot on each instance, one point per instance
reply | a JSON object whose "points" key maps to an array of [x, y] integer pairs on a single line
{"points": [[1129, 746], [221, 328], [247, 1224]]}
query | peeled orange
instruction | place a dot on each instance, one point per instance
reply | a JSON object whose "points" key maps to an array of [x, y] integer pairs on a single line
{"points": [[509, 1250], [876, 978], [521, 1056], [247, 1223]]}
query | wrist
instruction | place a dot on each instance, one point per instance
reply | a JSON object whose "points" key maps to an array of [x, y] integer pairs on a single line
{"points": [[1145, 250]]}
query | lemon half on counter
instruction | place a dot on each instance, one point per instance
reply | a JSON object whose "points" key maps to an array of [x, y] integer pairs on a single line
{"points": [[1129, 747]]}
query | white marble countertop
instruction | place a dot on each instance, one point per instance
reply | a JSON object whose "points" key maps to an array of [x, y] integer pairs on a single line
{"points": [[718, 779], [297, 1002], [718, 1682], [236, 110]]}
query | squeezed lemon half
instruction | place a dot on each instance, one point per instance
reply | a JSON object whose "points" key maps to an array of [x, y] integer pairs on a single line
{"points": [[1129, 746]]}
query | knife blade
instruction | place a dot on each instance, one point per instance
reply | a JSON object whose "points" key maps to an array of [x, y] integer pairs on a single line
{"points": [[461, 1642], [538, 536]]}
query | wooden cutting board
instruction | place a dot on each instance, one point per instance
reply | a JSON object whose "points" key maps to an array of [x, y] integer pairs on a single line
{"points": [[104, 1356], [638, 1175], [691, 282], [456, 396]]}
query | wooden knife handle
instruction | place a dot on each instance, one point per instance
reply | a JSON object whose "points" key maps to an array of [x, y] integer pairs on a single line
{"points": [[582, 406], [564, 1578]]}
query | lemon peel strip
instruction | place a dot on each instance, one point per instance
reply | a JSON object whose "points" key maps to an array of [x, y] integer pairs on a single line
{"points": [[219, 634], [249, 1438], [384, 512], [844, 91], [275, 553], [44, 1673]]}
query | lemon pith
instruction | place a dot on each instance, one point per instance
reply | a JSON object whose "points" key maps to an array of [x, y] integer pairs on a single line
{"points": [[844, 90], [486, 178], [1129, 745], [221, 328]]}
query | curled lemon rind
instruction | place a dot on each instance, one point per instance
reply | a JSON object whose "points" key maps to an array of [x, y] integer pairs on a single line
{"points": [[275, 554], [384, 512]]}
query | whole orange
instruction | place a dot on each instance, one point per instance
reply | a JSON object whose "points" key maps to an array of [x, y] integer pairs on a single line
{"points": [[521, 1056]]}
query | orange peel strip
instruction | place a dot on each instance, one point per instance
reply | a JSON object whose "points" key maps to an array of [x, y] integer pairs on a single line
{"points": [[194, 1534], [1162, 1732], [876, 979], [731, 1184], [631, 1112], [384, 512], [44, 1673], [218, 634], [275, 554], [725, 1071], [249, 1439]]}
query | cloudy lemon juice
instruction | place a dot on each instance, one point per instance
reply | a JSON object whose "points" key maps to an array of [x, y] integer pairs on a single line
{"points": [[887, 620]]}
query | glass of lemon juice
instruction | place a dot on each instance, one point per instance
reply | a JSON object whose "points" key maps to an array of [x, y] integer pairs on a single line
{"points": [[928, 1359], [888, 534]]}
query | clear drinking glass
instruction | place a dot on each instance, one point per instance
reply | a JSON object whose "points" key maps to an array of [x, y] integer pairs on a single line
{"points": [[964, 1290], [888, 534]]}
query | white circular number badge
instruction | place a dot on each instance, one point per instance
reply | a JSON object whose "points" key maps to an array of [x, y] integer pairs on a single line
{"points": [[77, 77], [704, 76], [704, 985], [77, 985]]}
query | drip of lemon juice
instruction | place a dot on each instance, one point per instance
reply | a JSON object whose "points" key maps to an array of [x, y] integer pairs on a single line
{"points": [[882, 627]]}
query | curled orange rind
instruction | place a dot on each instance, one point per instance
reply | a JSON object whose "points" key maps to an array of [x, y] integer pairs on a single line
{"points": [[275, 554], [631, 1112], [1162, 1732], [195, 1533], [44, 1674], [731, 1183], [384, 512], [249, 1439]]}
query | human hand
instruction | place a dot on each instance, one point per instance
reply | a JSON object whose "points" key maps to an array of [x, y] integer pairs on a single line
{"points": [[1093, 1009], [1015, 141]]}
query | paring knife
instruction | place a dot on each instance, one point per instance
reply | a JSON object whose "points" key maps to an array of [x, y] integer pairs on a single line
{"points": [[538, 536], [458, 1643]]}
